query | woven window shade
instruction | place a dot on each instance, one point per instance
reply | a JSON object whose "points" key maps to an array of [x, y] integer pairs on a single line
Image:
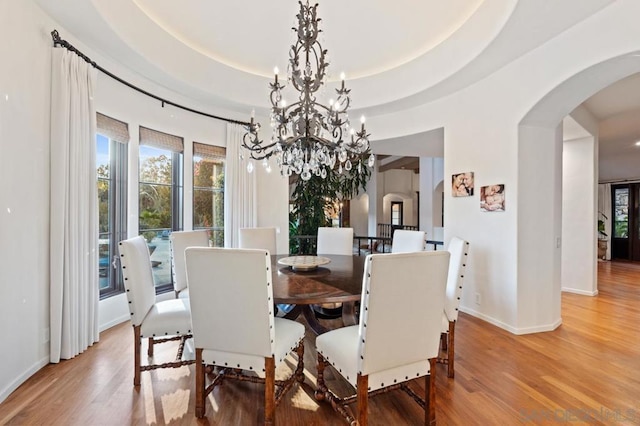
{"points": [[209, 152], [161, 140], [113, 129]]}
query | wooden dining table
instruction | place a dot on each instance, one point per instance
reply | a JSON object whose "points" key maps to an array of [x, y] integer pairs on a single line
{"points": [[339, 281]]}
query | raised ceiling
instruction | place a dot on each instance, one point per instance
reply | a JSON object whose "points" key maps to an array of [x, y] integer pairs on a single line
{"points": [[395, 55]]}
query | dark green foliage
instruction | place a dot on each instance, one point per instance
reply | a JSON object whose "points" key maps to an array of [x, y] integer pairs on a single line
{"points": [[313, 198]]}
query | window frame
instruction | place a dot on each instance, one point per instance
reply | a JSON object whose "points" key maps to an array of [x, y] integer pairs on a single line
{"points": [[177, 202], [118, 190]]}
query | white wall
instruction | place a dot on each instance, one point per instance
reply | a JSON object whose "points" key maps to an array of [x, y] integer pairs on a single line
{"points": [[24, 173], [359, 208], [24, 192], [516, 273], [579, 239]]}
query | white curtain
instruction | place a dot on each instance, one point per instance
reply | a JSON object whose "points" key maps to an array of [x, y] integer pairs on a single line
{"points": [[73, 256], [604, 207], [240, 207]]}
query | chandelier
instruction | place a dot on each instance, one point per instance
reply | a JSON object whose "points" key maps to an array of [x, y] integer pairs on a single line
{"points": [[309, 138]]}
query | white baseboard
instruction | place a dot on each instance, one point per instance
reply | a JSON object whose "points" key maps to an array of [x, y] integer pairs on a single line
{"points": [[113, 322], [581, 292], [509, 328], [4, 393], [540, 328]]}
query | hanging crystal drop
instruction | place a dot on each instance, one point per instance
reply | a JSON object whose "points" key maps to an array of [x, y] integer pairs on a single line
{"points": [[250, 166], [372, 160], [347, 165]]}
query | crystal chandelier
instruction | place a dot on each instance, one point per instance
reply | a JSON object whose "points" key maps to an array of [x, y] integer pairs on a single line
{"points": [[309, 138]]}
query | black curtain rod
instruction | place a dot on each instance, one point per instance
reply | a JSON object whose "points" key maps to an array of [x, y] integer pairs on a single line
{"points": [[57, 41]]}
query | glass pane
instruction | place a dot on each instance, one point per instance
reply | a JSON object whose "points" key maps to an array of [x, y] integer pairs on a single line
{"points": [[155, 207], [104, 264], [104, 192], [621, 213], [202, 208], [155, 165], [218, 238], [102, 156], [208, 198], [158, 243]]}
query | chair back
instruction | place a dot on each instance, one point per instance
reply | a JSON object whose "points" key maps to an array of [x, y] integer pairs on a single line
{"points": [[400, 323], [138, 277], [180, 240], [459, 249], [231, 298], [335, 241], [258, 238], [407, 241]]}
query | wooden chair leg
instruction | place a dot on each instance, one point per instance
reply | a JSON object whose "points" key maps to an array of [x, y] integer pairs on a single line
{"points": [[443, 341], [299, 373], [269, 391], [450, 349], [430, 397], [200, 399], [137, 343], [150, 348], [363, 400], [321, 386]]}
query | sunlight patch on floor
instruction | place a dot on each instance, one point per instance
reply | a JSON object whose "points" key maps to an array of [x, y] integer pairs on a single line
{"points": [[149, 404], [175, 405], [172, 373]]}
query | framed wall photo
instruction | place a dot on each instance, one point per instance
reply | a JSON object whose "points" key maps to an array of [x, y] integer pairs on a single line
{"points": [[462, 184], [492, 198]]}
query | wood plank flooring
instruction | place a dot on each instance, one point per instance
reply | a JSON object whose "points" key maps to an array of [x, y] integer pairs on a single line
{"points": [[586, 371]]}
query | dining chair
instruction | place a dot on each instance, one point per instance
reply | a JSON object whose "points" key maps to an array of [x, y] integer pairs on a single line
{"points": [[337, 241], [159, 321], [258, 238], [459, 249], [234, 327], [180, 240], [405, 241], [397, 339]]}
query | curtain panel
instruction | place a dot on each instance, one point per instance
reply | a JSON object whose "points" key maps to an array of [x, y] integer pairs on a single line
{"points": [[240, 207], [74, 292]]}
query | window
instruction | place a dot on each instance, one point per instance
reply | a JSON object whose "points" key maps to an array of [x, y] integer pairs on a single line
{"points": [[208, 191], [111, 161], [621, 213], [396, 213], [160, 199]]}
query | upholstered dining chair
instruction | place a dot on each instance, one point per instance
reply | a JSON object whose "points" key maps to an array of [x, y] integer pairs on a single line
{"points": [[234, 327], [338, 241], [397, 339], [335, 241], [159, 321], [459, 249], [180, 240], [405, 241], [258, 238]]}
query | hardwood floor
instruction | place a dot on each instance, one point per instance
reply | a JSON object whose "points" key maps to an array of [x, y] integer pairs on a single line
{"points": [[586, 371]]}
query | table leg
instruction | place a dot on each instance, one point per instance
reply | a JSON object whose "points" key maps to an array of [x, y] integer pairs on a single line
{"points": [[310, 316], [293, 313]]}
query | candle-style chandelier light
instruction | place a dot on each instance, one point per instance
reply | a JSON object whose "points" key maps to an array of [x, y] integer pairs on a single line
{"points": [[309, 138]]}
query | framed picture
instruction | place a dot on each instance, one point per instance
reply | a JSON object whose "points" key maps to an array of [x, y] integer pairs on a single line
{"points": [[492, 198], [462, 184]]}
